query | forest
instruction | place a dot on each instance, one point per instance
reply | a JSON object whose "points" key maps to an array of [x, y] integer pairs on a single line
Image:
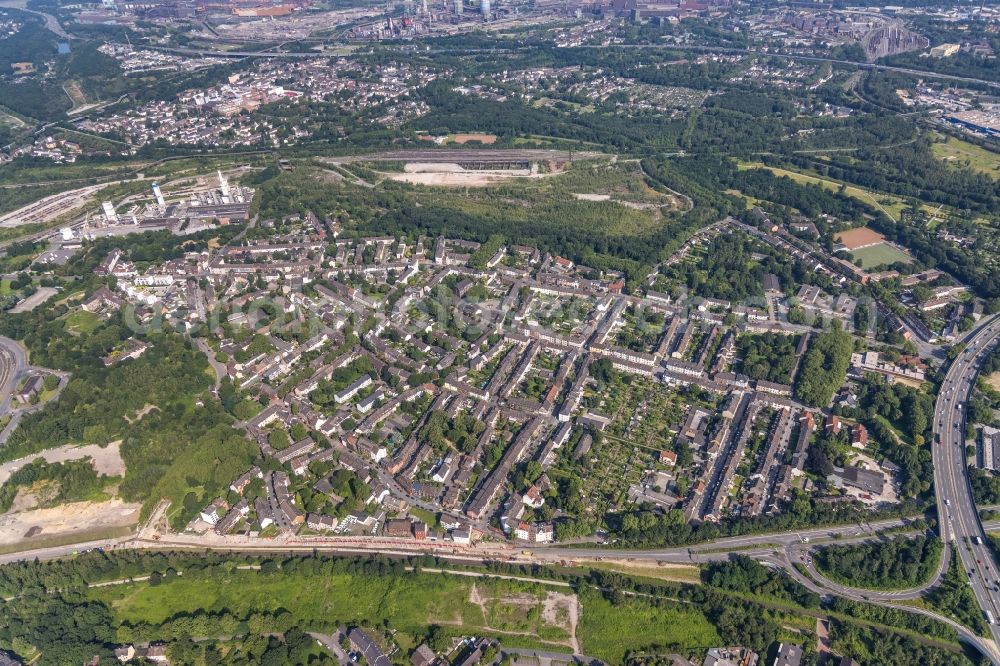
{"points": [[726, 270], [171, 447], [583, 231], [768, 356], [93, 406], [897, 564], [910, 170], [824, 366]]}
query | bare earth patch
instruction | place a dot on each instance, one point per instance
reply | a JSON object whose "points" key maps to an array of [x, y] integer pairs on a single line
{"points": [[682, 573], [441, 174], [24, 501], [559, 609], [146, 409], [562, 610], [853, 239], [107, 461], [68, 519], [460, 179], [822, 637], [994, 380], [432, 167], [481, 138], [39, 493]]}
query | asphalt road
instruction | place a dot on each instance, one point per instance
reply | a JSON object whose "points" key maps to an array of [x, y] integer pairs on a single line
{"points": [[13, 365], [958, 516], [332, 643], [984, 646], [803, 557], [774, 550], [219, 53]]}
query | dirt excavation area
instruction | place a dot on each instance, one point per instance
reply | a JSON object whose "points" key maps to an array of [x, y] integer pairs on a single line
{"points": [[552, 617], [563, 610], [107, 461], [442, 174], [78, 519]]}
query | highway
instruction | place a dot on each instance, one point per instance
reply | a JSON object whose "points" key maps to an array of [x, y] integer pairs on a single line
{"points": [[803, 556], [13, 365], [13, 368], [985, 646], [805, 58], [958, 517], [219, 53]]}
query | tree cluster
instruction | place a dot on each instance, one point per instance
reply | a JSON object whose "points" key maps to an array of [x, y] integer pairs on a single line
{"points": [[824, 366]]}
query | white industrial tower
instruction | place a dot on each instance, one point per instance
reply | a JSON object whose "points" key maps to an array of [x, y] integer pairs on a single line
{"points": [[223, 184], [159, 196], [109, 211]]}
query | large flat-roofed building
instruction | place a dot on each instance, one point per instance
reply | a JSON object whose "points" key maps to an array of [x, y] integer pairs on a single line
{"points": [[863, 479], [983, 122], [990, 451]]}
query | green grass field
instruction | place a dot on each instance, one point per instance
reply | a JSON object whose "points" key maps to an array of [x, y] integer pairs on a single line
{"points": [[82, 322], [521, 613], [882, 254], [428, 517], [956, 152], [608, 632], [410, 603], [892, 205], [675, 573]]}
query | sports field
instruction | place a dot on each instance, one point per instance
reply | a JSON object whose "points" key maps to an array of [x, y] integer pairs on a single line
{"points": [[881, 254], [854, 239]]}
